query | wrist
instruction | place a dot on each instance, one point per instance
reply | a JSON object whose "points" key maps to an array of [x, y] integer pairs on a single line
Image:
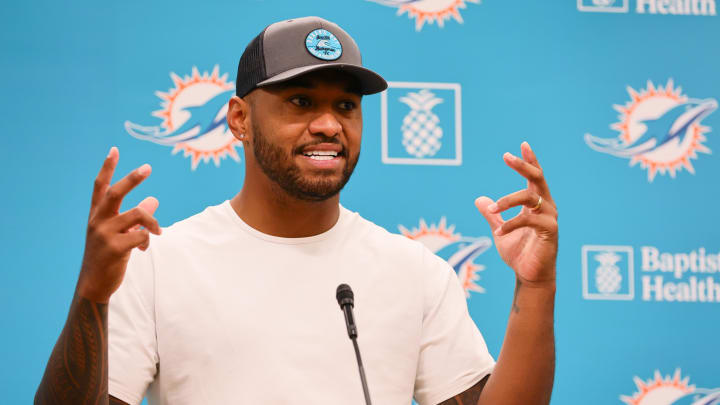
{"points": [[91, 293], [548, 282], [535, 297]]}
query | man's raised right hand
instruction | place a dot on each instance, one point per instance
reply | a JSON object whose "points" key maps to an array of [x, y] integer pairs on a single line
{"points": [[111, 235]]}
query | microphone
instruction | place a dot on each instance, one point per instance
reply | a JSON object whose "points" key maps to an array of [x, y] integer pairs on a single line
{"points": [[346, 299]]}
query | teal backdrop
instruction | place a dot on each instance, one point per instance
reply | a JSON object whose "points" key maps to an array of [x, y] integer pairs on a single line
{"points": [[617, 97]]}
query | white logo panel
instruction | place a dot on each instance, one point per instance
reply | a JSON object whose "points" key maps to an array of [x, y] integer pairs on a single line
{"points": [[607, 272], [603, 6], [421, 124]]}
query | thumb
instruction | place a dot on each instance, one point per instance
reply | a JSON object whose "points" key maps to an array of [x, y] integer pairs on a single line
{"points": [[149, 204], [494, 220]]}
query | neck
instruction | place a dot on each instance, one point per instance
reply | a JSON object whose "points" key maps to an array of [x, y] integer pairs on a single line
{"points": [[274, 212]]}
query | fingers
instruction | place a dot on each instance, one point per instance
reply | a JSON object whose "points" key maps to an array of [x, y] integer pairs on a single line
{"points": [[493, 219], [110, 204], [149, 204], [528, 154], [530, 172], [539, 210], [529, 167], [137, 239], [130, 219], [541, 223], [526, 198], [102, 181]]}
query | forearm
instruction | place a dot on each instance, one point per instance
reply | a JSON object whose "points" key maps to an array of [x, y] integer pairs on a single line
{"points": [[526, 366], [77, 371]]}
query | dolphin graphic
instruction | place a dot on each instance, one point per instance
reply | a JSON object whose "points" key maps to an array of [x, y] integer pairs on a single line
{"points": [[700, 397], [324, 44], [464, 250], [203, 119], [671, 125]]}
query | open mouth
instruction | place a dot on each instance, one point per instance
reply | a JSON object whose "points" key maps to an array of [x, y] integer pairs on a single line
{"points": [[321, 154], [324, 153]]}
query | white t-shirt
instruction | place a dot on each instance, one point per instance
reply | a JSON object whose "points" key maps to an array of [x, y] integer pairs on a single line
{"points": [[216, 312]]}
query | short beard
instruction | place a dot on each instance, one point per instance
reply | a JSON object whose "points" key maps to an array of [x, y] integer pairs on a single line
{"points": [[270, 157]]}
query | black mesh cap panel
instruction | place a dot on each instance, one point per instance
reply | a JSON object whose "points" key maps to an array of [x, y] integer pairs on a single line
{"points": [[251, 68], [281, 53]]}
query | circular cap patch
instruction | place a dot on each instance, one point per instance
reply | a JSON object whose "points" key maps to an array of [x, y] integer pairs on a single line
{"points": [[322, 44]]}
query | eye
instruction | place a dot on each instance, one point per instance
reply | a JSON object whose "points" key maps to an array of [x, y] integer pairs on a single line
{"points": [[300, 101], [347, 105]]}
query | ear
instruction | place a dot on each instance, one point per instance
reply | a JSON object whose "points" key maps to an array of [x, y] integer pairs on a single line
{"points": [[238, 117]]}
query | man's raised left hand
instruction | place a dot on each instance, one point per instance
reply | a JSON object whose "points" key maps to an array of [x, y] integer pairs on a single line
{"points": [[528, 243]]}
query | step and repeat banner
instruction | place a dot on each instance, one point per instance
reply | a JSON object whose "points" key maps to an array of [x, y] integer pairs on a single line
{"points": [[618, 98]]}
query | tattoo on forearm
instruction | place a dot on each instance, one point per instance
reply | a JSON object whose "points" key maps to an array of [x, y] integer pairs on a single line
{"points": [[77, 372], [515, 306]]}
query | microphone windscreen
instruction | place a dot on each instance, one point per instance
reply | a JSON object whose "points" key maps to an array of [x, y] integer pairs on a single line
{"points": [[344, 295]]}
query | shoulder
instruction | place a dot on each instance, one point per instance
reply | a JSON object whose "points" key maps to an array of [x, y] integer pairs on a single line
{"points": [[377, 236], [212, 219], [431, 275], [204, 228], [393, 245]]}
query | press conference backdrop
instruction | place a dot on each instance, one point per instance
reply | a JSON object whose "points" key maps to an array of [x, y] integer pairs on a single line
{"points": [[618, 98]]}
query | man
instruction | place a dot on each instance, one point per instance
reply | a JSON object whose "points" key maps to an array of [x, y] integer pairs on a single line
{"points": [[236, 304]]}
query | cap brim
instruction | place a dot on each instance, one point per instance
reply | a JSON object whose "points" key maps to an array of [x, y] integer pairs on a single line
{"points": [[369, 81]]}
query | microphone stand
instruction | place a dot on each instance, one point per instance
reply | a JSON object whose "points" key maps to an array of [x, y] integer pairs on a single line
{"points": [[362, 372], [346, 299]]}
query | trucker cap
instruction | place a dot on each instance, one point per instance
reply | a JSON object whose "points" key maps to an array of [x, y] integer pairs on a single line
{"points": [[290, 48]]}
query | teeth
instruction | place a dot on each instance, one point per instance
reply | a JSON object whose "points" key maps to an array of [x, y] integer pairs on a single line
{"points": [[320, 153], [321, 157]]}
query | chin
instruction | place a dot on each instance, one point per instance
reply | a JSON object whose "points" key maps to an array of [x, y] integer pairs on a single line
{"points": [[318, 189]]}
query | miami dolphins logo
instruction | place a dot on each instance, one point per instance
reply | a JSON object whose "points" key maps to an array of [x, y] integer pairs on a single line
{"points": [[460, 252], [429, 11], [193, 118], [669, 390], [660, 128]]}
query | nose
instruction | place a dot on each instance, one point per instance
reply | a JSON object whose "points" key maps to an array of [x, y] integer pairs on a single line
{"points": [[325, 124]]}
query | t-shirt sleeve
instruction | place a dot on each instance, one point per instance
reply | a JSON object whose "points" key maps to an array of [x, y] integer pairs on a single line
{"points": [[132, 344], [453, 353]]}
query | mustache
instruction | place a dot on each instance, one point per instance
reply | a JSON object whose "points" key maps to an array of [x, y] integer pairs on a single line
{"points": [[319, 140]]}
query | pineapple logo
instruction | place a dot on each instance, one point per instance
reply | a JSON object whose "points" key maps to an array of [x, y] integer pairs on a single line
{"points": [[612, 277], [606, 6], [421, 124], [420, 128], [607, 276]]}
